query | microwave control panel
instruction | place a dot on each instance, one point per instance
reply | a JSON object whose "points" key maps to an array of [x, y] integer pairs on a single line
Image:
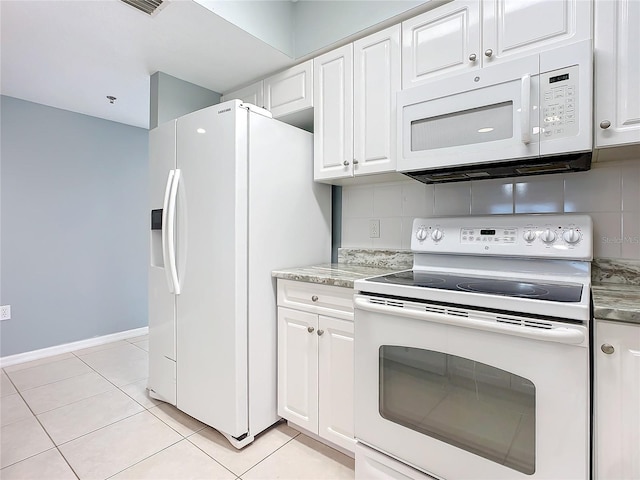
{"points": [[559, 105]]}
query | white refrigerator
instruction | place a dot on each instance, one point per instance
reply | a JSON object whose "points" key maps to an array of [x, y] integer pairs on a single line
{"points": [[232, 198]]}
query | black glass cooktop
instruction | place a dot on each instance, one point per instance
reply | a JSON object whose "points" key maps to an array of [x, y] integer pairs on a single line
{"points": [[552, 292]]}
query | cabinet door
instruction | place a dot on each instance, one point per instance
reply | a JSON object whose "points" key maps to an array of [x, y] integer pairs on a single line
{"points": [[333, 114], [617, 401], [440, 42], [298, 368], [335, 372], [289, 91], [524, 27], [376, 80], [617, 72], [253, 94]]}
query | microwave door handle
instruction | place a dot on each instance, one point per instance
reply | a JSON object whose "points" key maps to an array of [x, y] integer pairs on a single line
{"points": [[525, 108]]}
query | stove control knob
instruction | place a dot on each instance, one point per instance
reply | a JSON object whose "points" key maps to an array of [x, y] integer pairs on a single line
{"points": [[529, 235], [421, 233], [548, 236], [437, 235], [571, 236]]}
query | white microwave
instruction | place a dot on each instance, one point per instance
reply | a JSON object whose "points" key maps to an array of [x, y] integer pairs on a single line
{"points": [[527, 116]]}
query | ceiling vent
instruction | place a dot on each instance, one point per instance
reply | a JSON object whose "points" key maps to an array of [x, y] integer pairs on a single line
{"points": [[146, 6]]}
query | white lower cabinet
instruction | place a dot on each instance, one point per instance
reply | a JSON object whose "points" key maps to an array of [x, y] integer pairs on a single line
{"points": [[617, 401], [315, 361]]}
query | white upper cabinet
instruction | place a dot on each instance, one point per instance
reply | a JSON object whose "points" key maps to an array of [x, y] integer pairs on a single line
{"points": [[289, 91], [467, 34], [521, 27], [355, 90], [376, 79], [253, 94], [441, 41], [333, 114], [617, 72]]}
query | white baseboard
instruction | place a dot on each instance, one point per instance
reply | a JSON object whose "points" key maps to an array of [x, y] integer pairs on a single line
{"points": [[70, 347]]}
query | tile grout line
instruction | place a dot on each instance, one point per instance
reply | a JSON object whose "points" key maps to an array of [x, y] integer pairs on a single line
{"points": [[48, 383], [145, 458], [214, 459], [280, 447], [56, 446], [45, 432]]}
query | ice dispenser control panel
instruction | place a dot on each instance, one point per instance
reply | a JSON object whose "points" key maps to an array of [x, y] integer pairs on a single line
{"points": [[559, 105]]}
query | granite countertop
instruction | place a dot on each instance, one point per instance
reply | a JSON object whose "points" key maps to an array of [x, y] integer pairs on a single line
{"points": [[616, 302], [336, 274], [615, 287]]}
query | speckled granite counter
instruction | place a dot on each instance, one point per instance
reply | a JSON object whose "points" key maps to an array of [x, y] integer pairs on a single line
{"points": [[336, 274], [616, 283], [616, 289], [353, 264], [616, 302]]}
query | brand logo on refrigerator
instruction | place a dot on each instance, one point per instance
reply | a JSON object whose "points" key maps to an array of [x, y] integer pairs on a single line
{"points": [[225, 110]]}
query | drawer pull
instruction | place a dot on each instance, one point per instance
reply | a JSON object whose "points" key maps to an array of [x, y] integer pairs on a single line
{"points": [[320, 332], [310, 329], [314, 298]]}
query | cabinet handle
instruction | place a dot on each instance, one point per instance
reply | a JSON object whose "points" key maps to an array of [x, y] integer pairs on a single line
{"points": [[346, 163], [320, 332], [355, 162], [472, 57], [310, 329], [488, 52], [608, 349], [314, 298], [605, 124]]}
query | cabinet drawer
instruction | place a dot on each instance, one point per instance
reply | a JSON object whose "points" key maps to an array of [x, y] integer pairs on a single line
{"points": [[312, 297]]}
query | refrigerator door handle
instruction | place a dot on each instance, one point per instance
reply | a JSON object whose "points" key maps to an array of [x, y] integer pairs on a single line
{"points": [[171, 232], [165, 236]]}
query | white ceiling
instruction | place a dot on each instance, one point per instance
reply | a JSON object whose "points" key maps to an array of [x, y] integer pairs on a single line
{"points": [[71, 54]]}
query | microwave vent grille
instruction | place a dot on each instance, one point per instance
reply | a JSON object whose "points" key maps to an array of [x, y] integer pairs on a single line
{"points": [[573, 162]]}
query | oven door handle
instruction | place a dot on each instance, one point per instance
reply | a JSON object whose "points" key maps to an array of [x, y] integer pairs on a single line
{"points": [[571, 336]]}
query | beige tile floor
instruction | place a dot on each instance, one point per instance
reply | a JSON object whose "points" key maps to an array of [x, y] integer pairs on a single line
{"points": [[87, 415]]}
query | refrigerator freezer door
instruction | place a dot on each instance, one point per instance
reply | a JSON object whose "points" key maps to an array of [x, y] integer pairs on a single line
{"points": [[162, 338], [212, 267]]}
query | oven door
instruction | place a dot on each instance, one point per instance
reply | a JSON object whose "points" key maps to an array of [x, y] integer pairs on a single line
{"points": [[458, 395]]}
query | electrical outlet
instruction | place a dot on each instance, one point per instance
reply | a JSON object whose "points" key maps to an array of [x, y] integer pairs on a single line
{"points": [[374, 228], [5, 312]]}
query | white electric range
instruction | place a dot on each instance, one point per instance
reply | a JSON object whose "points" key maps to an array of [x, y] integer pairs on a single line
{"points": [[475, 363]]}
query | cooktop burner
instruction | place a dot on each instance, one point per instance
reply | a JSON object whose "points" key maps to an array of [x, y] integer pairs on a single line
{"points": [[565, 292]]}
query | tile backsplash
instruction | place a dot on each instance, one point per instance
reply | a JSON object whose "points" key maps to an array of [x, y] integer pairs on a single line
{"points": [[609, 193]]}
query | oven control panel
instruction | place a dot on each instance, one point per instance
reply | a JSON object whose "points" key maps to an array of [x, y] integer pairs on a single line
{"points": [[552, 236]]}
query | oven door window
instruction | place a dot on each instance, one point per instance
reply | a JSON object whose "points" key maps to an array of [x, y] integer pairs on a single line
{"points": [[473, 406]]}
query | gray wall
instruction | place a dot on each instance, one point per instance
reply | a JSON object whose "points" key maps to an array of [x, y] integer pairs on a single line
{"points": [[74, 249], [318, 24], [172, 98], [270, 21]]}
